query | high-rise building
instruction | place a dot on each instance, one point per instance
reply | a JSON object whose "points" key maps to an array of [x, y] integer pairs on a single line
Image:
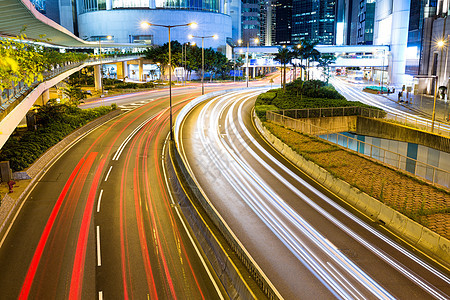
{"points": [[360, 20], [251, 23], [121, 19], [94, 20], [267, 22], [314, 20], [283, 22]]}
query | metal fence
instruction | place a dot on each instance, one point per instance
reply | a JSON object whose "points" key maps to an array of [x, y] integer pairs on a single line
{"points": [[429, 172], [10, 98], [419, 123]]}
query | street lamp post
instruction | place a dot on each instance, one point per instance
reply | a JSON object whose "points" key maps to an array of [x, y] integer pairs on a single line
{"points": [[246, 58], [203, 54], [436, 79], [101, 60], [382, 72], [441, 45], [145, 25], [433, 116]]}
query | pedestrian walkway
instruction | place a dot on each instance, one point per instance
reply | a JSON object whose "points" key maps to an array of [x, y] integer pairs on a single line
{"points": [[423, 104]]}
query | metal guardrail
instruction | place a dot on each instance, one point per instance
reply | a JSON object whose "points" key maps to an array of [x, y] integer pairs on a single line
{"points": [[225, 231], [406, 120], [429, 172]]}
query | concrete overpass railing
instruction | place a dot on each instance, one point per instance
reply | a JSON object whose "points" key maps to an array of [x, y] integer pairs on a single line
{"points": [[13, 110]]}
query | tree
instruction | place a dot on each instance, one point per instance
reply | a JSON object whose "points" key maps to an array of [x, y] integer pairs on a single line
{"points": [[20, 62], [324, 61], [284, 56], [309, 53], [73, 91]]}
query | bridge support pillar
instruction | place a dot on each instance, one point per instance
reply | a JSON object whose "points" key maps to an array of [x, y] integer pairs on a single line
{"points": [[119, 68], [45, 96], [98, 78], [141, 70]]}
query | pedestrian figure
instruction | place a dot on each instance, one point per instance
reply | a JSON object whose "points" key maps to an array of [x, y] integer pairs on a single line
{"points": [[11, 183]]}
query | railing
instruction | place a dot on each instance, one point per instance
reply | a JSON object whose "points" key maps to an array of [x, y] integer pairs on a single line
{"points": [[429, 172], [419, 123], [9, 99]]}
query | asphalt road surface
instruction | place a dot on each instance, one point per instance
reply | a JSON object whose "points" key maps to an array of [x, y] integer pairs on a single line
{"points": [[307, 241], [100, 223]]}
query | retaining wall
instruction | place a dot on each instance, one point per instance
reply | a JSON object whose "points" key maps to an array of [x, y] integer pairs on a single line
{"points": [[392, 131], [414, 233]]}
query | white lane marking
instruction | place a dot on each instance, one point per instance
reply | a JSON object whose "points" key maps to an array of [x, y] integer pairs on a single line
{"points": [[424, 285], [129, 137], [99, 255], [99, 200], [184, 224], [100, 295], [107, 175]]}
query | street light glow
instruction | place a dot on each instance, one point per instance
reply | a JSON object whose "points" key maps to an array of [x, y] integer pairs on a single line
{"points": [[441, 43], [109, 37], [239, 41], [215, 36], [145, 25], [190, 36], [193, 25]]}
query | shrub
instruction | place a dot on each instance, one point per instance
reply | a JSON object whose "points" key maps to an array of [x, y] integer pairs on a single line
{"points": [[55, 122], [260, 111]]}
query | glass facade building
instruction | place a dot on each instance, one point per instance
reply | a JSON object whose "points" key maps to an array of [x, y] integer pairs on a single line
{"points": [[283, 22], [314, 20], [197, 5]]}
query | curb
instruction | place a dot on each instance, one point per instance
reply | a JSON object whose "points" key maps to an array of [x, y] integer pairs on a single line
{"points": [[9, 206], [412, 232]]}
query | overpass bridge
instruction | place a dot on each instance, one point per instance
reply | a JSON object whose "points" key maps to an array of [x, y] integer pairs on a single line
{"points": [[15, 109], [370, 56], [21, 17]]}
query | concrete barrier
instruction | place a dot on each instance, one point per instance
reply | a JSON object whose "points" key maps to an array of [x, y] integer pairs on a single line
{"points": [[234, 243], [415, 234]]}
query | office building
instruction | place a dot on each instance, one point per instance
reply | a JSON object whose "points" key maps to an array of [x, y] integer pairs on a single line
{"points": [[251, 23], [267, 22], [313, 20], [283, 22]]}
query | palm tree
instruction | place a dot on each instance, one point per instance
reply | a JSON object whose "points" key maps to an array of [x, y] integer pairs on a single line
{"points": [[284, 56], [324, 61], [309, 53]]}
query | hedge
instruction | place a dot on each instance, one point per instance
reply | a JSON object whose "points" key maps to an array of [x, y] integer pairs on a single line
{"points": [[300, 95], [55, 122]]}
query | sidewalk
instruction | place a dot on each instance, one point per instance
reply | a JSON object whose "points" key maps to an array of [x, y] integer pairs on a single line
{"points": [[423, 104]]}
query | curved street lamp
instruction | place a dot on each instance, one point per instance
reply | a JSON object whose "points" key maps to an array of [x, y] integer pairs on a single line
{"points": [[203, 53], [146, 25]]}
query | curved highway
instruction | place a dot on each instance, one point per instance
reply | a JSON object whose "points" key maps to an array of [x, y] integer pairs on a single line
{"points": [[100, 222], [307, 241]]}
